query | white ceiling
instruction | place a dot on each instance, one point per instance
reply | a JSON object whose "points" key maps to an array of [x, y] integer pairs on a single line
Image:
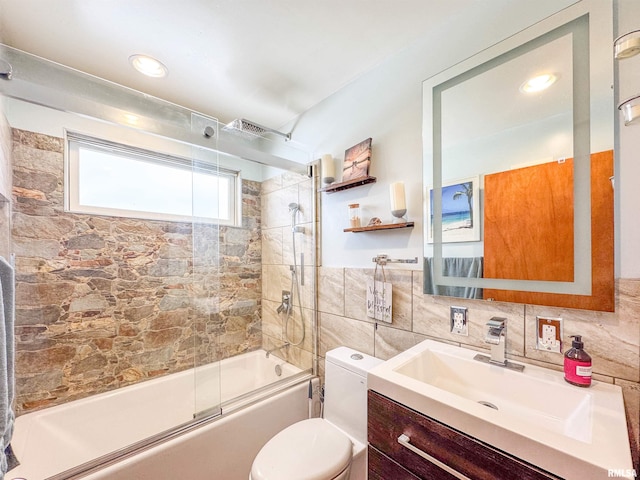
{"points": [[266, 60]]}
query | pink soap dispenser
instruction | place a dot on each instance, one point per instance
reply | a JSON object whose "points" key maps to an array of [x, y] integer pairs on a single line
{"points": [[577, 364]]}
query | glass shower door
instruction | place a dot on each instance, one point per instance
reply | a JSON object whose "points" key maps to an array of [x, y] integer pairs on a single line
{"points": [[212, 201]]}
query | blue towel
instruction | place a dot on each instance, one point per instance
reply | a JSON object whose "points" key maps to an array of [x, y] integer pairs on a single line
{"points": [[469, 267], [7, 363]]}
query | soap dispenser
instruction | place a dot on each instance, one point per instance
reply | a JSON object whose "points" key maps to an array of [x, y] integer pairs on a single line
{"points": [[577, 364]]}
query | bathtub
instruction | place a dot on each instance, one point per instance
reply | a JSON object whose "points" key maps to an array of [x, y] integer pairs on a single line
{"points": [[255, 403]]}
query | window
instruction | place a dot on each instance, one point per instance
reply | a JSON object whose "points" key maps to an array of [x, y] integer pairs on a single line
{"points": [[107, 178]]}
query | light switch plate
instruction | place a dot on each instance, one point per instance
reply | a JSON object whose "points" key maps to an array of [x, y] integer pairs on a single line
{"points": [[549, 334], [459, 324]]}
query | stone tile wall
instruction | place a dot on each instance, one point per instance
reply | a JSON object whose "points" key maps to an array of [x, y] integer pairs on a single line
{"points": [[103, 302], [277, 242], [612, 339]]}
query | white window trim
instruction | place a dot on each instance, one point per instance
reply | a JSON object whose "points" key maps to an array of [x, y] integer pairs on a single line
{"points": [[71, 187]]}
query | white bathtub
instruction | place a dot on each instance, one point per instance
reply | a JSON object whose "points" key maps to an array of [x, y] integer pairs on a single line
{"points": [[56, 439]]}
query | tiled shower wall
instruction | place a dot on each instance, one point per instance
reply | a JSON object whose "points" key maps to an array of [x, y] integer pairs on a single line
{"points": [[103, 302], [612, 339], [277, 259]]}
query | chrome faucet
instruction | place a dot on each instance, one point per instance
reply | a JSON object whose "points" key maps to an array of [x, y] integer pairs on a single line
{"points": [[274, 349], [497, 337]]}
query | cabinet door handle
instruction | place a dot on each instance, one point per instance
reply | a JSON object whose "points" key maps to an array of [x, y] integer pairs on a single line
{"points": [[405, 441]]}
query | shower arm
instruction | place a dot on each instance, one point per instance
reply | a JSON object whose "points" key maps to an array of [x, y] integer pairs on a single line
{"points": [[286, 136]]}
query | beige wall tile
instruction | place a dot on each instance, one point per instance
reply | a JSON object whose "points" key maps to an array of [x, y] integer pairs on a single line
{"points": [[391, 341], [292, 178], [302, 359], [356, 294], [306, 199], [294, 330], [355, 305], [275, 279], [402, 298], [331, 291], [270, 185], [304, 244], [271, 320], [611, 339], [431, 317], [275, 207], [272, 246], [336, 331]]}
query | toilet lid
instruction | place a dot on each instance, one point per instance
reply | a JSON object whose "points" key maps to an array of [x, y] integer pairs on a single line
{"points": [[311, 450]]}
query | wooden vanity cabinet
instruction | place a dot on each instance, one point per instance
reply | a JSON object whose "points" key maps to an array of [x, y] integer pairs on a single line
{"points": [[388, 459]]}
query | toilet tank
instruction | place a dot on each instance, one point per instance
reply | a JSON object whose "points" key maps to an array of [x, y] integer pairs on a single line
{"points": [[345, 390]]}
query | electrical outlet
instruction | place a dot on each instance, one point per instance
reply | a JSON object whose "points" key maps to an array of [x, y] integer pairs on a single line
{"points": [[549, 334], [458, 316]]}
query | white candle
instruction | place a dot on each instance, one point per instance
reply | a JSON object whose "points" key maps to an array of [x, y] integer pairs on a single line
{"points": [[398, 201], [328, 168]]}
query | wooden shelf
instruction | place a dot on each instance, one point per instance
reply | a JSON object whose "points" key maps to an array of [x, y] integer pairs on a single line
{"points": [[374, 228], [354, 182]]}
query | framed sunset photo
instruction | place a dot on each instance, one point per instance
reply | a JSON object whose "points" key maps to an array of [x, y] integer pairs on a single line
{"points": [[357, 161]]}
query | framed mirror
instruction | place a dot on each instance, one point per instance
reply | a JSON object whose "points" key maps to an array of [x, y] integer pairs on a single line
{"points": [[518, 167]]}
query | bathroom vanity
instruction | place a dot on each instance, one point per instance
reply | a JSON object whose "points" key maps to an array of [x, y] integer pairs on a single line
{"points": [[434, 412], [404, 443]]}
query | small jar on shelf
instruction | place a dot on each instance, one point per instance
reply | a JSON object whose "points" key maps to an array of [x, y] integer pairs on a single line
{"points": [[354, 215]]}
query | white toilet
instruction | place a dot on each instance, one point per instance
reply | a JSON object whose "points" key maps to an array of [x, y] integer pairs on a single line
{"points": [[332, 448]]}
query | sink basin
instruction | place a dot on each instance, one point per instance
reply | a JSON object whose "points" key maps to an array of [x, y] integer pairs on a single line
{"points": [[524, 397], [534, 415]]}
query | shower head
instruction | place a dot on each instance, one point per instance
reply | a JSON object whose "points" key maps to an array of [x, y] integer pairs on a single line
{"points": [[294, 208], [251, 130]]}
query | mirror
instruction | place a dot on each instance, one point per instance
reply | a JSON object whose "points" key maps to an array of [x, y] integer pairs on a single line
{"points": [[515, 175]]}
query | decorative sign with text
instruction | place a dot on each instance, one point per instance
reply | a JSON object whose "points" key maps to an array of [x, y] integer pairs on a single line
{"points": [[379, 300]]}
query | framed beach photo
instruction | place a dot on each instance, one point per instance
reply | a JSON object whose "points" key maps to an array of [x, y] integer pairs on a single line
{"points": [[460, 211]]}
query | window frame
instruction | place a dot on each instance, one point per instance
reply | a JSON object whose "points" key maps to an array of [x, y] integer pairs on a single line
{"points": [[74, 141]]}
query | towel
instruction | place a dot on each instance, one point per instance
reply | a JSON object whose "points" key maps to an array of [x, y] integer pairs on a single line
{"points": [[468, 267], [7, 364]]}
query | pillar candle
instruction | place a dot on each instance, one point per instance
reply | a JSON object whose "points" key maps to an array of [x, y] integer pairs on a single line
{"points": [[398, 201], [328, 170]]}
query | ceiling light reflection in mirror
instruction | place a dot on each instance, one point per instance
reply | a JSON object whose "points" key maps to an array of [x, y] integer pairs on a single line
{"points": [[538, 83], [477, 122], [487, 118]]}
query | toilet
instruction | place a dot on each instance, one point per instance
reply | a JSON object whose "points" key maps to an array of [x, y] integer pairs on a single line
{"points": [[329, 448]]}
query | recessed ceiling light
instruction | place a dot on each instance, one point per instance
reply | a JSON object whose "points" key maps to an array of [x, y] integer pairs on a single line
{"points": [[148, 65], [538, 83]]}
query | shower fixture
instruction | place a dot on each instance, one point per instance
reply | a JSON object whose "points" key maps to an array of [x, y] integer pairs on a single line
{"points": [[297, 282], [294, 208], [285, 305], [251, 130]]}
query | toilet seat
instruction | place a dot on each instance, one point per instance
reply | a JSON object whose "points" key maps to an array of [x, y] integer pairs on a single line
{"points": [[311, 450]]}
